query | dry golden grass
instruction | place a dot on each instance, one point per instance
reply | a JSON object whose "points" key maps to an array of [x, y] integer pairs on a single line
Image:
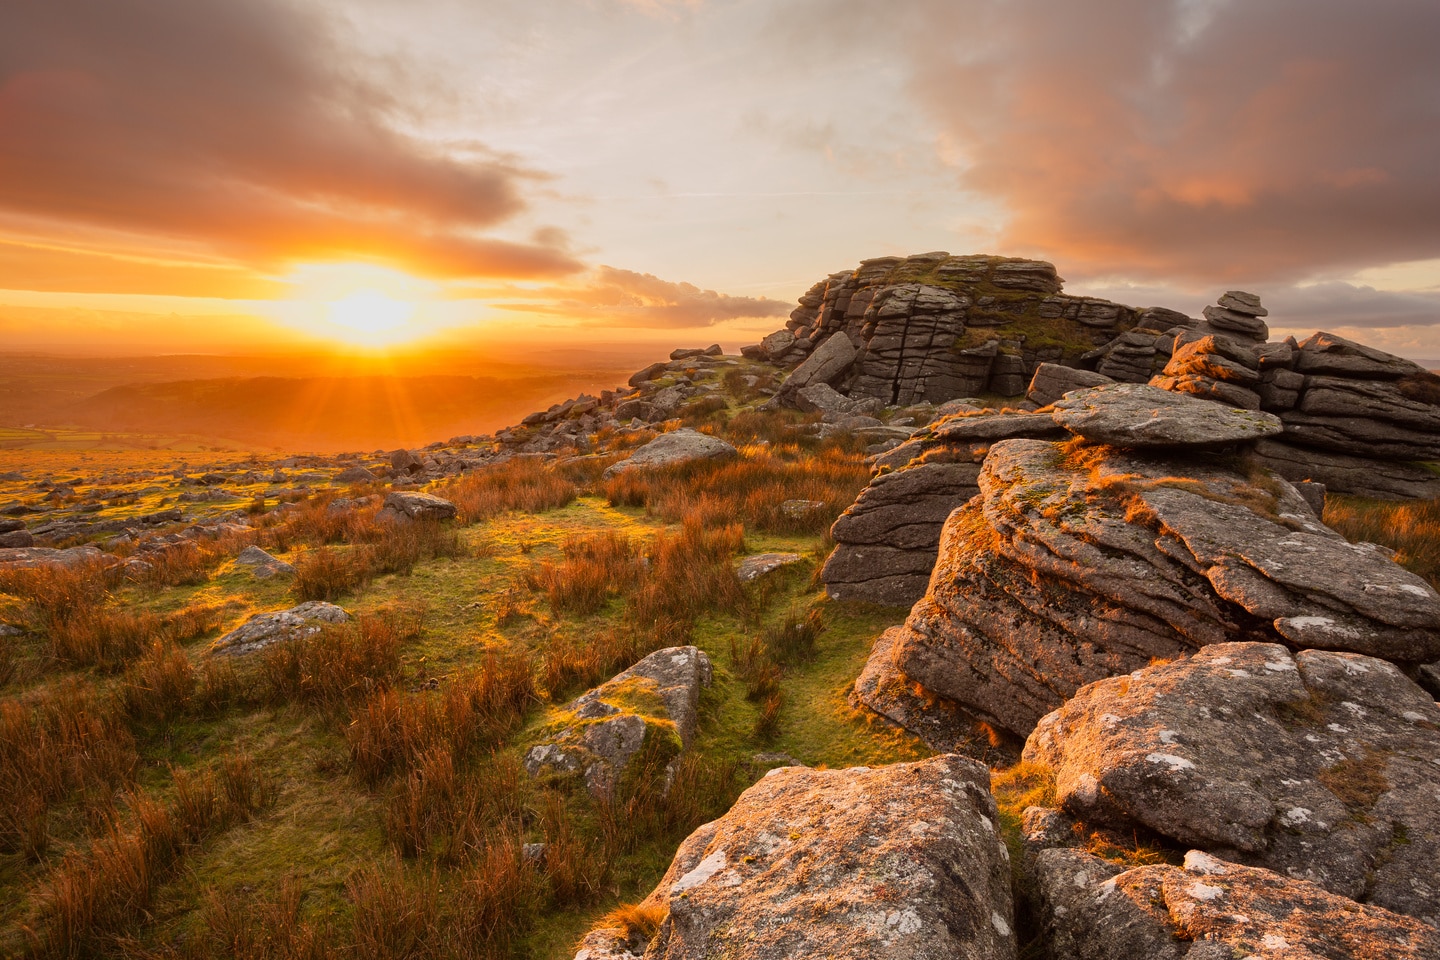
{"points": [[594, 568], [522, 483], [1411, 528], [98, 893], [51, 746], [341, 663]]}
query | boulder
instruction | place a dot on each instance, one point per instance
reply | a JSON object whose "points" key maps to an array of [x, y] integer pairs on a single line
{"points": [[264, 629], [1342, 473], [355, 474], [264, 565], [27, 558], [1326, 354], [902, 862], [1209, 909], [1074, 565], [826, 363], [823, 398], [671, 449], [19, 537], [1138, 415], [1052, 381], [752, 568], [652, 705], [403, 463], [410, 505], [649, 373], [1318, 765]]}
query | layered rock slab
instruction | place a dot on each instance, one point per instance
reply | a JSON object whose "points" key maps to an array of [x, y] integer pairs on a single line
{"points": [[1075, 564], [672, 449], [599, 736], [1210, 910], [1319, 765], [1135, 415], [902, 861]]}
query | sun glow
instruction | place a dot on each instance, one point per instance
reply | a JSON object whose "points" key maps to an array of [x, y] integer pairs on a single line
{"points": [[369, 315]]}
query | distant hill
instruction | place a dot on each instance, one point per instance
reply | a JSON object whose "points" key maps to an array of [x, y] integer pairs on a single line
{"points": [[328, 413]]}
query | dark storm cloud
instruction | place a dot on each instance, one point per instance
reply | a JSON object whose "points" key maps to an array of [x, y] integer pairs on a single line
{"points": [[243, 128]]}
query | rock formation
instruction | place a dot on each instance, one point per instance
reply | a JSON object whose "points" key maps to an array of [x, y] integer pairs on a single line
{"points": [[601, 733], [903, 861], [1209, 909], [1081, 561], [674, 448], [1318, 765]]}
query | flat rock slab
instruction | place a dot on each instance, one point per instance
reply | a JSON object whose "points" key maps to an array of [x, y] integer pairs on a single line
{"points": [[673, 448], [1139, 415], [411, 505], [902, 862], [753, 568], [1210, 910], [1319, 765], [30, 558], [264, 629], [655, 703]]}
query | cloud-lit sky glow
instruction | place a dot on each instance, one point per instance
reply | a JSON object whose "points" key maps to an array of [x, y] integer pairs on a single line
{"points": [[215, 176]]}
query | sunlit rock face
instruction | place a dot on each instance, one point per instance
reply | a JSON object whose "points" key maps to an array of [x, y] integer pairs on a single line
{"points": [[901, 861], [1318, 765], [1080, 561]]}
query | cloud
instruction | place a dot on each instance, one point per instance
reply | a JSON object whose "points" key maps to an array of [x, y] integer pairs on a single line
{"points": [[1179, 139], [624, 298], [245, 130]]}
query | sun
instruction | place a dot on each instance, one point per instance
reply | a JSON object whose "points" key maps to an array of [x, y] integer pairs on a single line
{"points": [[368, 316]]}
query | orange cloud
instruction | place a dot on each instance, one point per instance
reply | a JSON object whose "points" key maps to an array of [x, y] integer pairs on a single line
{"points": [[1174, 139], [243, 130]]}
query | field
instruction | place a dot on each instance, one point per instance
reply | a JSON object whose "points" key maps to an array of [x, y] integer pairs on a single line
{"points": [[362, 791]]}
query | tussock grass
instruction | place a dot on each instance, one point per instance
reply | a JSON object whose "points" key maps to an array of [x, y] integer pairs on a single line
{"points": [[522, 483], [1411, 528], [749, 489], [343, 662], [96, 894], [593, 569], [392, 730], [53, 745]]}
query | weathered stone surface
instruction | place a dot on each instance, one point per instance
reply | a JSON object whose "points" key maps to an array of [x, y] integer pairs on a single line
{"points": [[1237, 323], [823, 398], [1319, 765], [21, 558], [354, 474], [887, 539], [651, 372], [1067, 569], [1052, 381], [263, 629], [670, 449], [16, 537], [1210, 910], [903, 862], [884, 690], [1331, 355], [1366, 418], [827, 362], [600, 735], [264, 565], [405, 463], [411, 505], [1139, 415], [1341, 473], [752, 568]]}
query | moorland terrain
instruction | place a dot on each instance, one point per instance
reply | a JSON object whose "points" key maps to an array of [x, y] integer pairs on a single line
{"points": [[411, 764]]}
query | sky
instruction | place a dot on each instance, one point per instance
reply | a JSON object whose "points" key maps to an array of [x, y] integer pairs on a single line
{"points": [[184, 176]]}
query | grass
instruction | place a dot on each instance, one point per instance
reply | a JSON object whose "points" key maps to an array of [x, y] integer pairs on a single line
{"points": [[396, 814], [1411, 528]]}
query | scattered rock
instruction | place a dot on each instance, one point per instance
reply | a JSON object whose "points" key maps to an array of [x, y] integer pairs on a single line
{"points": [[670, 449], [652, 705], [263, 629], [1052, 381], [264, 565], [1138, 415], [411, 505], [26, 558], [1210, 910], [752, 568], [903, 861], [1319, 765], [355, 474]]}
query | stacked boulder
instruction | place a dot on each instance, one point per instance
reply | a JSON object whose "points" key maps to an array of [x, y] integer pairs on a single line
{"points": [[934, 327], [1149, 538]]}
